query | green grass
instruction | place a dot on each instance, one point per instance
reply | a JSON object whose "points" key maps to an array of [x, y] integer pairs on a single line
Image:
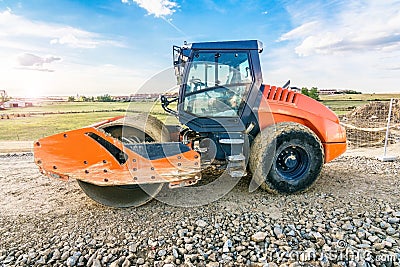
{"points": [[37, 126], [341, 107], [30, 128], [359, 97], [343, 103]]}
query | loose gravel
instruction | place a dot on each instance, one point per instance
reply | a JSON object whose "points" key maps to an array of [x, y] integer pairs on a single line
{"points": [[349, 218]]}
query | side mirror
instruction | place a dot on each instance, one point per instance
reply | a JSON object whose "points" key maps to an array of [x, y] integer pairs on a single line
{"points": [[164, 100], [165, 103]]}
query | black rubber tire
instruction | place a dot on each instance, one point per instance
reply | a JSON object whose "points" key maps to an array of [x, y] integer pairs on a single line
{"points": [[286, 158], [124, 196], [138, 128]]}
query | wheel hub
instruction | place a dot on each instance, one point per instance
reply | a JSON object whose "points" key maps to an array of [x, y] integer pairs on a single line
{"points": [[292, 162]]}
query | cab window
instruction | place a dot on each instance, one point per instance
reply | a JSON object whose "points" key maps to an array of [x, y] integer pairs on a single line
{"points": [[217, 83]]}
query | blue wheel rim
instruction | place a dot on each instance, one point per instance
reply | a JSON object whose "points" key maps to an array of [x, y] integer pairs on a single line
{"points": [[292, 163]]}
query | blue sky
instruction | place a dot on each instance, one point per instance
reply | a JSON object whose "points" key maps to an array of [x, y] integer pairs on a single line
{"points": [[96, 47]]}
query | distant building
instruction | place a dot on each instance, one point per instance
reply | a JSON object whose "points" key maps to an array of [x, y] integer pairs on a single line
{"points": [[144, 97], [17, 104], [329, 91], [124, 98], [3, 95]]}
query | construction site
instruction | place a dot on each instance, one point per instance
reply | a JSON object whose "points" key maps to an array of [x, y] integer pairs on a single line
{"points": [[245, 174], [350, 216]]}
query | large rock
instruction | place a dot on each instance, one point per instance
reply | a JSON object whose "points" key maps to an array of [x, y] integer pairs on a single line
{"points": [[259, 236]]}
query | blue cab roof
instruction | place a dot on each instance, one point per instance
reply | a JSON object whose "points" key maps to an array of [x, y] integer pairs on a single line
{"points": [[228, 45]]}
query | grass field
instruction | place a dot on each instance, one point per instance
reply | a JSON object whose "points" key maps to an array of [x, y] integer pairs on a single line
{"points": [[38, 125], [343, 103], [30, 128], [58, 118], [359, 97]]}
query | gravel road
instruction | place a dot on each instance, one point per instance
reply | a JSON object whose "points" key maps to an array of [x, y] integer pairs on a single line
{"points": [[349, 218]]}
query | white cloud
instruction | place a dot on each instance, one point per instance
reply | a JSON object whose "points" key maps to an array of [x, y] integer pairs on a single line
{"points": [[72, 41], [303, 30], [366, 72], [14, 27], [371, 25], [157, 8], [323, 44], [34, 62], [339, 44], [161, 9], [26, 70]]}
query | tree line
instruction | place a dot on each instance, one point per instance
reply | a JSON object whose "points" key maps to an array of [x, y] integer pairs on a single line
{"points": [[313, 92], [103, 98]]}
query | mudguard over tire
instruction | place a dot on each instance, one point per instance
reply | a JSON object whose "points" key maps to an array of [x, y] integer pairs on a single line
{"points": [[286, 158]]}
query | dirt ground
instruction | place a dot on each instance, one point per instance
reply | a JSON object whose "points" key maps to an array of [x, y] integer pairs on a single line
{"points": [[29, 192], [15, 146], [40, 216]]}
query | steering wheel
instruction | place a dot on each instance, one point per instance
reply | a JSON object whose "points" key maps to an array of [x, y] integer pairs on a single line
{"points": [[196, 81]]}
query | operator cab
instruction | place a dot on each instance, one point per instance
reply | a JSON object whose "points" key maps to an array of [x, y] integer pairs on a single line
{"points": [[215, 80]]}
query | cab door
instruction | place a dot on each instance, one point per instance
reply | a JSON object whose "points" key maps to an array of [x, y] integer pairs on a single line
{"points": [[215, 90]]}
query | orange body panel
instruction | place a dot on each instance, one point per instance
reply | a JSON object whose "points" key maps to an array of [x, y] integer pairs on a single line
{"points": [[76, 155], [333, 150], [283, 105]]}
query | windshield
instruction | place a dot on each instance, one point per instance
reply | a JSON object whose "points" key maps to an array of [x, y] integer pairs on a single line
{"points": [[217, 83]]}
